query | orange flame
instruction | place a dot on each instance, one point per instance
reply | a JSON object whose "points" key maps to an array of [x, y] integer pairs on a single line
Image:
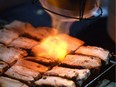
{"points": [[53, 47]]}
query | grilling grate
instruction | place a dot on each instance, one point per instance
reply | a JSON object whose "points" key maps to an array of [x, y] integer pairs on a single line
{"points": [[106, 70]]}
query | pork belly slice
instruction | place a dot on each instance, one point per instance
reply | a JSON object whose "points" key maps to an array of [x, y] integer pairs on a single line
{"points": [[3, 67], [82, 76], [16, 26], [42, 60], [7, 36], [27, 28], [8, 82], [10, 55], [39, 32], [94, 51], [32, 65], [23, 42], [51, 46], [82, 61], [22, 73], [54, 82], [62, 72], [78, 74], [72, 42]]}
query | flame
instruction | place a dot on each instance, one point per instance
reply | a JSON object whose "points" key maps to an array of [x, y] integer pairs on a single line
{"points": [[54, 47]]}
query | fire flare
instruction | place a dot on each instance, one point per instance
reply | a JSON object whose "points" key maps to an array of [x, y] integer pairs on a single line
{"points": [[52, 47]]}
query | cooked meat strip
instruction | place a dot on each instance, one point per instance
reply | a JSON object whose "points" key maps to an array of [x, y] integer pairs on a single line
{"points": [[7, 36], [62, 72], [69, 73], [40, 32], [8, 82], [82, 61], [94, 51], [23, 42], [79, 75], [82, 76], [54, 82], [16, 26], [72, 42], [3, 66], [27, 28], [45, 61], [10, 55], [50, 47], [26, 70], [22, 73], [32, 65]]}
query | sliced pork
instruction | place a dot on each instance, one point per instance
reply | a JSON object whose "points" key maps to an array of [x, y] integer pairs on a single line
{"points": [[7, 36], [23, 42], [81, 61], [54, 82], [10, 55], [94, 51]]}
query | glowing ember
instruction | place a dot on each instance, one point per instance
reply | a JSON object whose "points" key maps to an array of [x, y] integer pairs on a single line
{"points": [[52, 47]]}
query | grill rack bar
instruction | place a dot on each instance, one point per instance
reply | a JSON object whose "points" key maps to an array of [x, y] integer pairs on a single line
{"points": [[91, 82]]}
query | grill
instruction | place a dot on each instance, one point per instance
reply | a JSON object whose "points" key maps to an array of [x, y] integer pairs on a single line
{"points": [[104, 71], [90, 82]]}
